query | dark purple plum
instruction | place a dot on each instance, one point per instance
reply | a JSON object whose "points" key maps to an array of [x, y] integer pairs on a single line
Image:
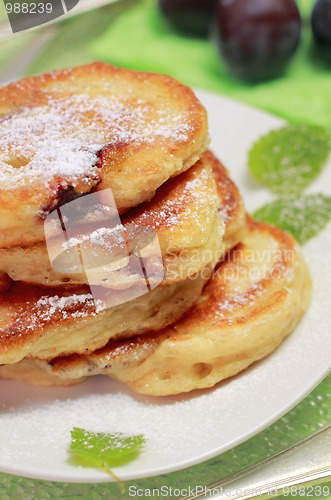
{"points": [[189, 16], [321, 24], [257, 38]]}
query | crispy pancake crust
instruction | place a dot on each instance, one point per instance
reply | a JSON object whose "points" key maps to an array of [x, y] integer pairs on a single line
{"points": [[254, 300], [41, 323], [68, 132], [37, 323], [186, 214]]}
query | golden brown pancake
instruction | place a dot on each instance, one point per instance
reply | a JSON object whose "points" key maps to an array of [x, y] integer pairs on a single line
{"points": [[188, 216], [183, 215], [69, 132], [44, 323], [254, 300]]}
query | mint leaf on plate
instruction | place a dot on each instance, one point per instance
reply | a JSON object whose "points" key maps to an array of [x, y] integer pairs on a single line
{"points": [[303, 216], [103, 450], [287, 160]]}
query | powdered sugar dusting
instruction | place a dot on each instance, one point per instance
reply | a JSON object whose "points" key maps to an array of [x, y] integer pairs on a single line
{"points": [[104, 237], [240, 299], [49, 305], [227, 210], [232, 303], [61, 140], [50, 308], [186, 203]]}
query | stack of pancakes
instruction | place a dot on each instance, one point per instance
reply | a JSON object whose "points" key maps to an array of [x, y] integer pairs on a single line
{"points": [[125, 248]]}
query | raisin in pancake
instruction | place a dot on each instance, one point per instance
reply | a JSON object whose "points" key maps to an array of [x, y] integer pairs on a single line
{"points": [[68, 132], [187, 215], [253, 301], [5, 282]]}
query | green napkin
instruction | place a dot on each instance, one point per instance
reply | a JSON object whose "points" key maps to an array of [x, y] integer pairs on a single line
{"points": [[141, 38]]}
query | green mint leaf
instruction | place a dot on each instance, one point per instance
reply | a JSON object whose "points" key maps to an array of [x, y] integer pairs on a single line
{"points": [[99, 449], [287, 160], [303, 216]]}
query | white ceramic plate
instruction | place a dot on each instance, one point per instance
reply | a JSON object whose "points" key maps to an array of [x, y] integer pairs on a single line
{"points": [[35, 423]]}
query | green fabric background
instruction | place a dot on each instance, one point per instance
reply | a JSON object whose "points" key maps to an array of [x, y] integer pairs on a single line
{"points": [[139, 38], [142, 39]]}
